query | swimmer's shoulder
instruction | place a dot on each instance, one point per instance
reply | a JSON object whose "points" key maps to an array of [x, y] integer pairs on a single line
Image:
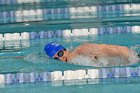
{"points": [[83, 47], [78, 49], [86, 45]]}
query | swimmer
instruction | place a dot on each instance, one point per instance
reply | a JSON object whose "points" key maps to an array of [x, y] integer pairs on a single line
{"points": [[93, 51]]}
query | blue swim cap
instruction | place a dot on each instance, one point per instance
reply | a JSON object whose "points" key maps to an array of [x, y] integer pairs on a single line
{"points": [[52, 48]]}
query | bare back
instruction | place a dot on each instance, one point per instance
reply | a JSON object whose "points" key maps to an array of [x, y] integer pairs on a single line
{"points": [[102, 50]]}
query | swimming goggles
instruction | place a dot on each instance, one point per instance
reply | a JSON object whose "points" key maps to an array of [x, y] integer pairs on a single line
{"points": [[59, 54]]}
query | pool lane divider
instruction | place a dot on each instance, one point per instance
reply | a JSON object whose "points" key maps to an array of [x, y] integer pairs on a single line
{"points": [[69, 33], [37, 14], [69, 75]]}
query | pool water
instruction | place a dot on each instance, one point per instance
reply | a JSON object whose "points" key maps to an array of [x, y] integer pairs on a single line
{"points": [[29, 55], [129, 85]]}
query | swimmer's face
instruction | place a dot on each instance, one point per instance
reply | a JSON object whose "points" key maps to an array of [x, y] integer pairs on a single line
{"points": [[62, 55]]}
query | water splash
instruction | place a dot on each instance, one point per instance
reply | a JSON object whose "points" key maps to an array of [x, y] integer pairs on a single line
{"points": [[37, 57], [106, 61], [135, 50]]}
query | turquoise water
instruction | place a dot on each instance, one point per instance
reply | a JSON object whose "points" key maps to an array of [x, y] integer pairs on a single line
{"points": [[28, 56], [31, 56], [34, 59]]}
